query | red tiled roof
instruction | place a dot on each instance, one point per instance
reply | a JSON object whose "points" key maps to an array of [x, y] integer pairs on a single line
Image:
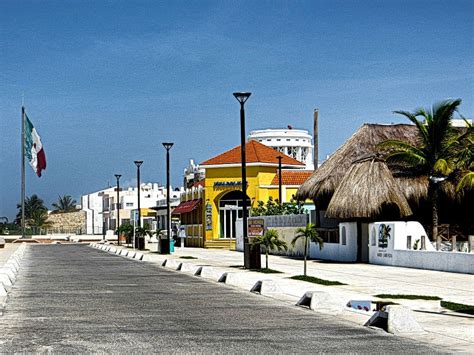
{"points": [[292, 177], [187, 206], [199, 183], [255, 153]]}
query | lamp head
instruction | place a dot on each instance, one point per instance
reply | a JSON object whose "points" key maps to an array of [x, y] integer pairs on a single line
{"points": [[118, 176], [167, 145], [242, 96], [138, 163]]}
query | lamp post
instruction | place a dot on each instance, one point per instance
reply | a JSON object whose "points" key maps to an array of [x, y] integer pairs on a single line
{"points": [[279, 179], [138, 163], [165, 248], [250, 258], [118, 176]]}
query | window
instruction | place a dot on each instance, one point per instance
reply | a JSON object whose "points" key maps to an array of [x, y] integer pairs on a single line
{"points": [[278, 139], [269, 140], [343, 235], [129, 204], [297, 140]]}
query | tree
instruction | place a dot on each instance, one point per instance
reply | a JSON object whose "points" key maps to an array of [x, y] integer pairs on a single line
{"points": [[435, 155], [270, 240], [38, 219], [126, 230], [464, 158], [33, 204], [65, 204], [309, 233]]}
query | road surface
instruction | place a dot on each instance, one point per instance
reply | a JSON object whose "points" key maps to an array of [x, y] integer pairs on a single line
{"points": [[72, 298]]}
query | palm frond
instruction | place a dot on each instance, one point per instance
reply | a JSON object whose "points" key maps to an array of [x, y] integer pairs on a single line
{"points": [[466, 182], [443, 167], [421, 127], [408, 158]]}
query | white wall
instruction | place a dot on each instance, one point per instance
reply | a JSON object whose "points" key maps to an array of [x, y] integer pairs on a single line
{"points": [[395, 252], [338, 252]]}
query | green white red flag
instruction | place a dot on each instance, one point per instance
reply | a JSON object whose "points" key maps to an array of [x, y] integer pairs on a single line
{"points": [[34, 151]]}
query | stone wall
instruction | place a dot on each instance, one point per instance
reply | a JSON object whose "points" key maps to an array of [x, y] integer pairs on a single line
{"points": [[69, 222]]}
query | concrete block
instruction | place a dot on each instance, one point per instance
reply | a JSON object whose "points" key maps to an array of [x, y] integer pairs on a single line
{"points": [[139, 256], [266, 287], [401, 320], [211, 273], [124, 252], [6, 281], [189, 268], [117, 251], [154, 258], [112, 249], [131, 254], [3, 291], [173, 264], [14, 267], [238, 279], [321, 301], [9, 272]]}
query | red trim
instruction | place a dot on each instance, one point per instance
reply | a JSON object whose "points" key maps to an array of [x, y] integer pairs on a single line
{"points": [[187, 206]]}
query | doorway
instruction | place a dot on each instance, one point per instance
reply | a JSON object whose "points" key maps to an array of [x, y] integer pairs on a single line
{"points": [[230, 208]]}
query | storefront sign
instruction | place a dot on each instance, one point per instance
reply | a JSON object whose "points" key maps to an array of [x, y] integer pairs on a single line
{"points": [[223, 184], [256, 227]]}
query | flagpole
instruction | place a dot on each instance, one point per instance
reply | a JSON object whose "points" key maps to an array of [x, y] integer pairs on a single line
{"points": [[23, 171]]}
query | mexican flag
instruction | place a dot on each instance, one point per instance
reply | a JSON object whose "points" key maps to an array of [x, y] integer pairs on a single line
{"points": [[34, 151]]}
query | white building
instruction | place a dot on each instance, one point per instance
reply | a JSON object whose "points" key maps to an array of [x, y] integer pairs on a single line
{"points": [[193, 173], [101, 206], [297, 143]]}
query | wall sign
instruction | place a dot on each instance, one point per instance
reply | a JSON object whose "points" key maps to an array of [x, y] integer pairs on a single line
{"points": [[256, 227], [384, 237], [208, 216]]}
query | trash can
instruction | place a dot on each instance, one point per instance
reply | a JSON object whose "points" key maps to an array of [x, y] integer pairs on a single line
{"points": [[141, 243], [252, 256], [171, 245]]}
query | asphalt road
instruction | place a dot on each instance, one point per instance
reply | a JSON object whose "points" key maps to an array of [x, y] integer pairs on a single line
{"points": [[72, 298]]}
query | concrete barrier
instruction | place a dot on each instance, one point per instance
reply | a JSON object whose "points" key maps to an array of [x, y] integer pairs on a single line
{"points": [[173, 264], [112, 250], [189, 268], [3, 292], [401, 320], [322, 301], [9, 272], [131, 254], [5, 281], [139, 256], [266, 287], [211, 273], [124, 252]]}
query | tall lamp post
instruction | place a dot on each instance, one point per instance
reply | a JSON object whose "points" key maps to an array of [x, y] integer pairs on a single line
{"points": [[251, 260], [118, 176], [279, 179], [165, 247], [138, 163]]}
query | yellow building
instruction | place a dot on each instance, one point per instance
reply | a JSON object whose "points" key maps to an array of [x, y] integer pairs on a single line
{"points": [[218, 201]]}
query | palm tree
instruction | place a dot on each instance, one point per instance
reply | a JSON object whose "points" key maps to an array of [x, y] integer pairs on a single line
{"points": [[65, 204], [435, 154], [309, 233], [464, 158], [38, 219], [126, 229], [33, 204], [270, 240]]}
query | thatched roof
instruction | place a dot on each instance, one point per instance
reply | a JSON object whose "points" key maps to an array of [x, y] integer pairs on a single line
{"points": [[363, 142], [365, 190]]}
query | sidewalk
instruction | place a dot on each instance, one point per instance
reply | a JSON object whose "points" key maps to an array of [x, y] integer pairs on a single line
{"points": [[453, 331]]}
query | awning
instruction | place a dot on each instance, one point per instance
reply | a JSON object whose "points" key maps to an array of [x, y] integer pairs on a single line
{"points": [[187, 206]]}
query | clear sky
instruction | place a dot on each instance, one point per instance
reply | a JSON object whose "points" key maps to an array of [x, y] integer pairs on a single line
{"points": [[105, 82]]}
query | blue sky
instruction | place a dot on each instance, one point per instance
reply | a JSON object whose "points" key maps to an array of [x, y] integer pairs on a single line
{"points": [[105, 82]]}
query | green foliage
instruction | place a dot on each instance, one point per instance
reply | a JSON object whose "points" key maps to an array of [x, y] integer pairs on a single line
{"points": [[309, 233], [65, 204], [126, 229], [273, 208], [409, 297], [34, 211], [316, 280], [187, 257], [458, 307], [267, 271], [270, 240]]}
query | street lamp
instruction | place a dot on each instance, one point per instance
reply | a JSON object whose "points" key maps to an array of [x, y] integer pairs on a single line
{"points": [[165, 248], [138, 163], [279, 179], [118, 176], [249, 262]]}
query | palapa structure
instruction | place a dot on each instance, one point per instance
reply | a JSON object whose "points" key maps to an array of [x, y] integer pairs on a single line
{"points": [[355, 182], [366, 190]]}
